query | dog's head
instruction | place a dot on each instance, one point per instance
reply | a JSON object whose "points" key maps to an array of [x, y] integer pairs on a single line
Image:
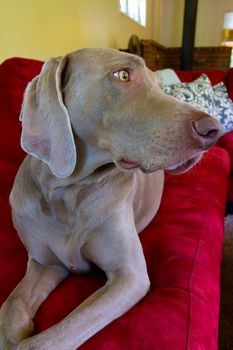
{"points": [[112, 102]]}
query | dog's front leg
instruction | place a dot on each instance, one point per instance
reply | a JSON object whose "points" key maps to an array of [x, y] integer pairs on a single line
{"points": [[123, 261], [18, 310]]}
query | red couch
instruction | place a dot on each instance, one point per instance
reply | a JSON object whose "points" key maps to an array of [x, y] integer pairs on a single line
{"points": [[182, 245]]}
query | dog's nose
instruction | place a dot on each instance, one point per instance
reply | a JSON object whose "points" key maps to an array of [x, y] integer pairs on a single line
{"points": [[206, 131]]}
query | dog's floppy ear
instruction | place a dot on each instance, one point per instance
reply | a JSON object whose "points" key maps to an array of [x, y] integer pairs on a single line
{"points": [[46, 127]]}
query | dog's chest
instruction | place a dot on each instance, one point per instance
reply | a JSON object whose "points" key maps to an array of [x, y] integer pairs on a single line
{"points": [[78, 208], [71, 216]]}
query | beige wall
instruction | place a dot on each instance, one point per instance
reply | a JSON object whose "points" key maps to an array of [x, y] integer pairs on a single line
{"points": [[171, 22], [44, 28], [208, 27]]}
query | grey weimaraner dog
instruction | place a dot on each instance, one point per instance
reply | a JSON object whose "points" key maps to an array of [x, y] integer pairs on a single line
{"points": [[99, 133]]}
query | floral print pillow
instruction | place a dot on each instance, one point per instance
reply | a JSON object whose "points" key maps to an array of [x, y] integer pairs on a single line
{"points": [[167, 76], [223, 106], [199, 93], [213, 100]]}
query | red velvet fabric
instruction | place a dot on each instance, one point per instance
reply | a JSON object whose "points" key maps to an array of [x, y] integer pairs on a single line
{"points": [[226, 142], [182, 246], [215, 75]]}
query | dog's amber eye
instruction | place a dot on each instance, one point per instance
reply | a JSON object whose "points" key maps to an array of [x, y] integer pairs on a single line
{"points": [[123, 75]]}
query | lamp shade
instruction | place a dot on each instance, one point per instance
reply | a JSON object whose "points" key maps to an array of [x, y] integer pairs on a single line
{"points": [[228, 20]]}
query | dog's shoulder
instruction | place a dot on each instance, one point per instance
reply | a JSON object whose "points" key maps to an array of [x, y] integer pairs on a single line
{"points": [[24, 190]]}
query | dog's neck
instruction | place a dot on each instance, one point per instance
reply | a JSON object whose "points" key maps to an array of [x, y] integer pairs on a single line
{"points": [[90, 160], [92, 166]]}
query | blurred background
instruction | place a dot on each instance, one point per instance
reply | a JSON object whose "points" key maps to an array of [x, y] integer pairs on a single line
{"points": [[45, 28]]}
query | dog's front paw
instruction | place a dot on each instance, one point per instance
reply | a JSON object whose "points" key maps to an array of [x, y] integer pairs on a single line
{"points": [[15, 324], [34, 343], [27, 345], [5, 343], [47, 340]]}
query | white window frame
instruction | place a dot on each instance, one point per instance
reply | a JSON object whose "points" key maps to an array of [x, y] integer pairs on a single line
{"points": [[135, 10]]}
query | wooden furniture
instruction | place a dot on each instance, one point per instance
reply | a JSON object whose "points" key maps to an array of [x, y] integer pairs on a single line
{"points": [[158, 56]]}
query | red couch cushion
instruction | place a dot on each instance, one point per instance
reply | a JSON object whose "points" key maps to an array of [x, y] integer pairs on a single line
{"points": [[15, 73], [226, 142], [215, 75], [182, 246]]}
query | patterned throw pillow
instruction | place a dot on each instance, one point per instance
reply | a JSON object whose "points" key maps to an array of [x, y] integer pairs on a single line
{"points": [[199, 93], [167, 76], [223, 106]]}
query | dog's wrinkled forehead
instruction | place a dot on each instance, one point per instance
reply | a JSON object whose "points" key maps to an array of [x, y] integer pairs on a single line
{"points": [[105, 59]]}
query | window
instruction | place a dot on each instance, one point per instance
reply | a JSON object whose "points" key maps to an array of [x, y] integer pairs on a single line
{"points": [[135, 9]]}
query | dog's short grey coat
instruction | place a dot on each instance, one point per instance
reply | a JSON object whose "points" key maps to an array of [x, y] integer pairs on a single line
{"points": [[99, 133]]}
